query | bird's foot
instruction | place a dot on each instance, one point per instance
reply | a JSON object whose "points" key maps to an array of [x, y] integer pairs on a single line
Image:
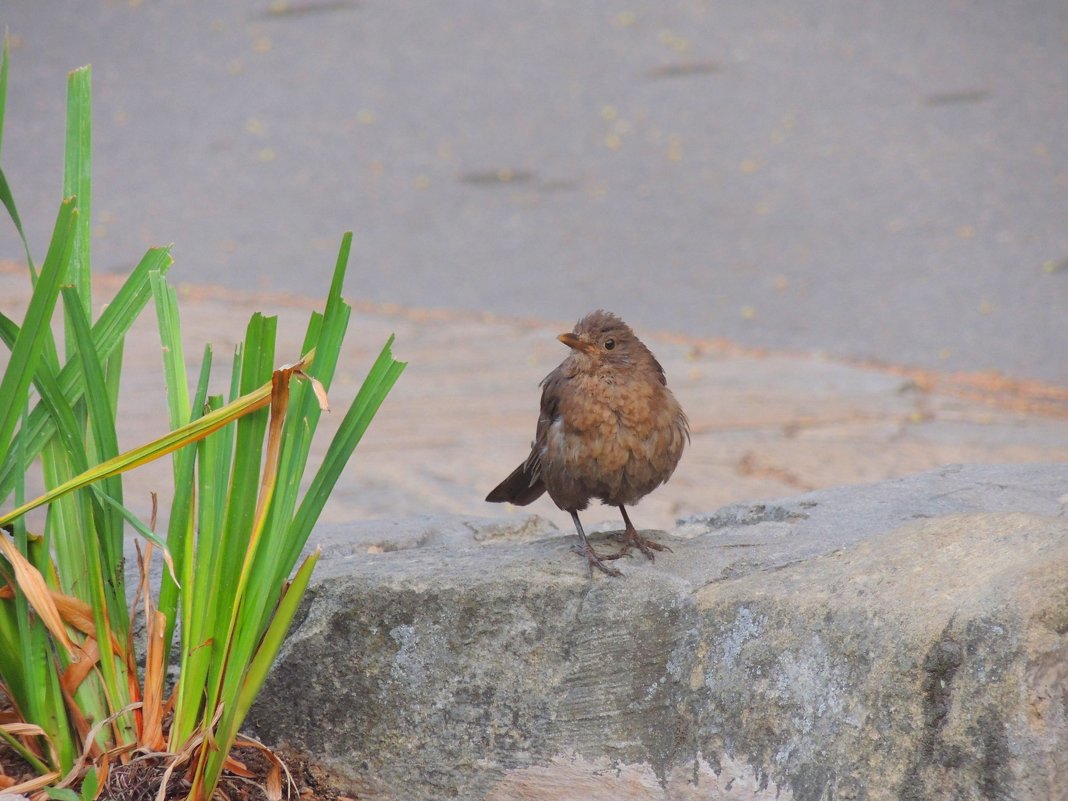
{"points": [[595, 560], [632, 539]]}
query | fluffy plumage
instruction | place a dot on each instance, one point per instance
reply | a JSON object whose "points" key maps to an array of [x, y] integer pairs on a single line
{"points": [[609, 429]]}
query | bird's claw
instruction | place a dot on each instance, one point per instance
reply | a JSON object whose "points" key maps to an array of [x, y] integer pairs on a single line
{"points": [[632, 539], [595, 560]]}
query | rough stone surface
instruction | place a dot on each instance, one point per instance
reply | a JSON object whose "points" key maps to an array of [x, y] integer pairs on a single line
{"points": [[903, 640]]}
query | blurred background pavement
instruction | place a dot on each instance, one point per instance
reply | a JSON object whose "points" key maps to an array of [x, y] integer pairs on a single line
{"points": [[885, 180]]}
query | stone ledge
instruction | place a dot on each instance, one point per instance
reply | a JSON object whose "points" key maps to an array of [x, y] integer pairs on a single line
{"points": [[899, 640]]}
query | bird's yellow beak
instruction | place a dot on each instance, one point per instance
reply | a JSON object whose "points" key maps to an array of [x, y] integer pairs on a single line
{"points": [[573, 341]]}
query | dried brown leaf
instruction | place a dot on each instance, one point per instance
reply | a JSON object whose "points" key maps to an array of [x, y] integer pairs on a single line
{"points": [[89, 748], [237, 767], [318, 389], [22, 729], [32, 584], [74, 675], [34, 784], [152, 726], [276, 768]]}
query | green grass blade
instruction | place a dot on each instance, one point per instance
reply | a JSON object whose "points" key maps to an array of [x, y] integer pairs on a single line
{"points": [[275, 635], [46, 707], [77, 180], [203, 584], [170, 334], [104, 441], [10, 663], [257, 366], [183, 511], [247, 609], [17, 682], [40, 701], [9, 203], [240, 525], [325, 335], [101, 543], [113, 373], [108, 333], [335, 319], [180, 522], [134, 521], [30, 343], [38, 766], [186, 435], [253, 678], [215, 457], [73, 533], [381, 378], [195, 653], [54, 404]]}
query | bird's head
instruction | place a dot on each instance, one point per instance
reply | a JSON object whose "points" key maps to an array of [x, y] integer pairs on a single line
{"points": [[602, 339]]}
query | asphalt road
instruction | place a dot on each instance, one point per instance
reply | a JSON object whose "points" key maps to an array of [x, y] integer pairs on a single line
{"points": [[885, 180]]}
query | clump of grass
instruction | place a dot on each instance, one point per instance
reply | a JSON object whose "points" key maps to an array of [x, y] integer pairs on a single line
{"points": [[238, 520]]}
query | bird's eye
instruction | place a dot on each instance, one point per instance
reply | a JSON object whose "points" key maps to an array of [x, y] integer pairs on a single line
{"points": [[609, 344]]}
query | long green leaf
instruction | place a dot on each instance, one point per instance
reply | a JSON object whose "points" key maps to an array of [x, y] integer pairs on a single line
{"points": [[9, 203], [195, 654], [325, 334], [170, 333], [162, 446], [71, 529], [253, 678], [180, 522], [381, 378], [105, 440], [103, 568], [242, 632], [108, 333], [18, 683], [136, 522], [77, 180], [54, 403], [241, 532], [257, 366], [34, 330], [335, 318], [40, 701], [113, 373], [30, 757]]}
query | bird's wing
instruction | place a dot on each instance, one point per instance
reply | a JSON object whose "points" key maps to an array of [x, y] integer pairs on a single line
{"points": [[524, 484], [659, 370], [551, 387]]}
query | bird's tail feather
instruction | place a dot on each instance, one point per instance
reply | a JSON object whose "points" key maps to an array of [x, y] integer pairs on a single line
{"points": [[520, 488]]}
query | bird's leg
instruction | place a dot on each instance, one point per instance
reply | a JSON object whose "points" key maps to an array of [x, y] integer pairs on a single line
{"points": [[592, 559], [632, 539]]}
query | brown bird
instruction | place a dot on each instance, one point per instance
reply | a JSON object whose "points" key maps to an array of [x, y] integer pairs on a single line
{"points": [[609, 429]]}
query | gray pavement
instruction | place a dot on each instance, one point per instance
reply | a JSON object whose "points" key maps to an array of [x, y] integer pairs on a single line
{"points": [[882, 180]]}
